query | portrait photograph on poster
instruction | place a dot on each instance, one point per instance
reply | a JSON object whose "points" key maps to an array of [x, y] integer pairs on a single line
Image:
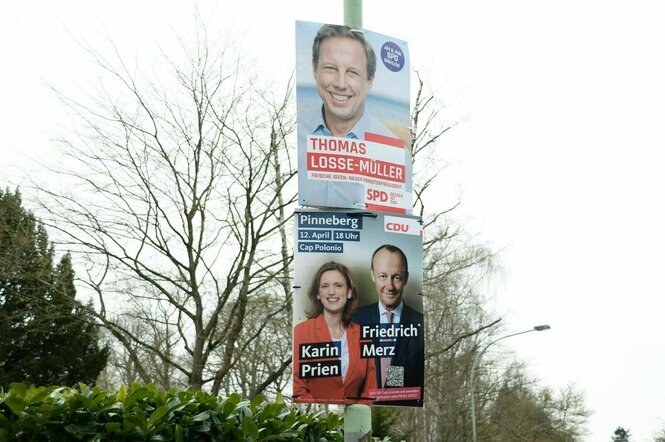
{"points": [[352, 94], [358, 323]]}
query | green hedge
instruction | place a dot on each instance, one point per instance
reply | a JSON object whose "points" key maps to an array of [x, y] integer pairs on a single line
{"points": [[145, 413]]}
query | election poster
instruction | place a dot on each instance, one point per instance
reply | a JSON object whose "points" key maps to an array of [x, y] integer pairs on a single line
{"points": [[352, 88], [358, 323]]}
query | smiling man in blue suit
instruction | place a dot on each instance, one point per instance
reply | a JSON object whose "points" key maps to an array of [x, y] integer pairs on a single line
{"points": [[344, 66], [406, 366]]}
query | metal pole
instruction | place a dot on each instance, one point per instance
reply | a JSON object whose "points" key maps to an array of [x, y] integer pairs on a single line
{"points": [[353, 13], [357, 423], [357, 417], [475, 364]]}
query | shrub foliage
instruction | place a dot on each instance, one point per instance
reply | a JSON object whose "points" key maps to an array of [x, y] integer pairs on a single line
{"points": [[145, 413]]}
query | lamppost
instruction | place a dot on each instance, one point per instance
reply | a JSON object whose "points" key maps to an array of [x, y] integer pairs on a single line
{"points": [[475, 364]]}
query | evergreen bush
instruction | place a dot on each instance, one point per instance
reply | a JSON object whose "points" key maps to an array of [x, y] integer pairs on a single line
{"points": [[145, 413]]}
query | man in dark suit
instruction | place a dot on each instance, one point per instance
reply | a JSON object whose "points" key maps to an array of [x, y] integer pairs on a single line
{"points": [[406, 367]]}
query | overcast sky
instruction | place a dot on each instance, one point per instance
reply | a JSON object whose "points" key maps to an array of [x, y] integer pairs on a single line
{"points": [[557, 157]]}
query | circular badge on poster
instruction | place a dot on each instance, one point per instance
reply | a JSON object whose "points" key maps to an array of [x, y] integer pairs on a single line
{"points": [[392, 56]]}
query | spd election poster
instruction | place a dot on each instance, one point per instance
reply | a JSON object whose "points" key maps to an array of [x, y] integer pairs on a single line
{"points": [[353, 119], [358, 324]]}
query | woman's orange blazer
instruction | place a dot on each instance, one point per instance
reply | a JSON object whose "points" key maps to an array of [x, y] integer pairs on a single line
{"points": [[360, 376]]}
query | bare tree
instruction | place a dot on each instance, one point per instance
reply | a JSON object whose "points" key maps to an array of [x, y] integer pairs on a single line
{"points": [[568, 410], [521, 410], [260, 365], [459, 322], [177, 200], [122, 367], [453, 266]]}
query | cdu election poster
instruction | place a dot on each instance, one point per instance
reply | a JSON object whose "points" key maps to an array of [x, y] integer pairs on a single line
{"points": [[353, 119], [358, 325]]}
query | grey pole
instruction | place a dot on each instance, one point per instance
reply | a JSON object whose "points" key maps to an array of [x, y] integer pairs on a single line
{"points": [[475, 364], [357, 417], [353, 13], [357, 423]]}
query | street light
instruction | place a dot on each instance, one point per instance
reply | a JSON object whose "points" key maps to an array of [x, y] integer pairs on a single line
{"points": [[475, 364]]}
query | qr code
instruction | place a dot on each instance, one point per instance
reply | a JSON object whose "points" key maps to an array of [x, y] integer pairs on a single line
{"points": [[395, 376]]}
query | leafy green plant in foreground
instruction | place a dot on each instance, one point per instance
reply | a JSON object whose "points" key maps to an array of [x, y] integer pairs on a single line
{"points": [[145, 413]]}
